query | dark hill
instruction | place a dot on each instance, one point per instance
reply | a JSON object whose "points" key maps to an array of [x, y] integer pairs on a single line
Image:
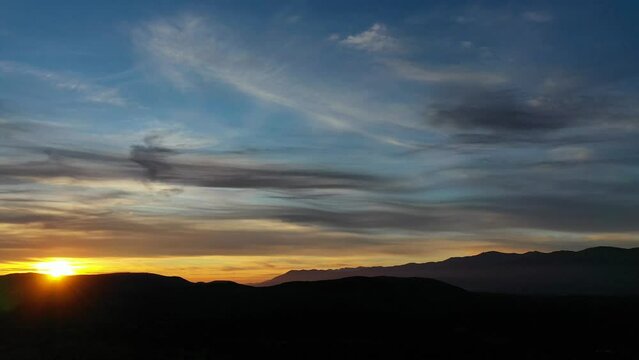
{"points": [[147, 316], [595, 271]]}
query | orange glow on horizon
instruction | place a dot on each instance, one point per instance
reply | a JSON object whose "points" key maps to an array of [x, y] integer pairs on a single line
{"points": [[246, 269]]}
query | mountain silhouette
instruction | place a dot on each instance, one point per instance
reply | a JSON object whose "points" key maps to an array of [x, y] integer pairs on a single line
{"points": [[148, 316], [599, 270]]}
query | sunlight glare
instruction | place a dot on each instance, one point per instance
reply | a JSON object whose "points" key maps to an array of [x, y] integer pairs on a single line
{"points": [[56, 268]]}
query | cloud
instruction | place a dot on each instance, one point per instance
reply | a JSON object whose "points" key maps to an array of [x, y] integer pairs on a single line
{"points": [[89, 91], [466, 44], [496, 111], [375, 39], [452, 75], [214, 174], [396, 218], [570, 153], [101, 230], [155, 162], [152, 159], [537, 16], [529, 204], [174, 136], [9, 128], [509, 111], [82, 233]]}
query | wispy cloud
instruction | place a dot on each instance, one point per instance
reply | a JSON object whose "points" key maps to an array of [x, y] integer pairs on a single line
{"points": [[391, 52], [189, 49], [454, 75], [89, 91], [375, 39]]}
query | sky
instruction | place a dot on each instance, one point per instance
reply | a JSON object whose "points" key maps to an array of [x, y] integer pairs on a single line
{"points": [[241, 139]]}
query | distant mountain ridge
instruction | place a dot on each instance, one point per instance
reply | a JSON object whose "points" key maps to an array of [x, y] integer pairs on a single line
{"points": [[593, 271]]}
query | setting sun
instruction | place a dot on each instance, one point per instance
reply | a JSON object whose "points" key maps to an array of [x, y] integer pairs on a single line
{"points": [[56, 269]]}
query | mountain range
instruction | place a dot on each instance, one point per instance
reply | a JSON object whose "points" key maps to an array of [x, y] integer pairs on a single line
{"points": [[598, 270]]}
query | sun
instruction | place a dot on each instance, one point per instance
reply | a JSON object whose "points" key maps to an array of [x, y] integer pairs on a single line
{"points": [[56, 268]]}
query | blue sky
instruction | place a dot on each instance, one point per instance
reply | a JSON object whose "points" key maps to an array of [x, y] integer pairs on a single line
{"points": [[237, 139]]}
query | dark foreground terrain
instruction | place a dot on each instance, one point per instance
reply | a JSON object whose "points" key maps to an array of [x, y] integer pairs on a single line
{"points": [[145, 316]]}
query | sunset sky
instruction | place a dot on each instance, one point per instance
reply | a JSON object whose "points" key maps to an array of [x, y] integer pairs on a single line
{"points": [[240, 139]]}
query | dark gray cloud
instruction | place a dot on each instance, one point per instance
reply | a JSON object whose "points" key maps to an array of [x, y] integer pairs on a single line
{"points": [[25, 217], [487, 114], [150, 162], [63, 164], [496, 111], [61, 154], [152, 159], [160, 166]]}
